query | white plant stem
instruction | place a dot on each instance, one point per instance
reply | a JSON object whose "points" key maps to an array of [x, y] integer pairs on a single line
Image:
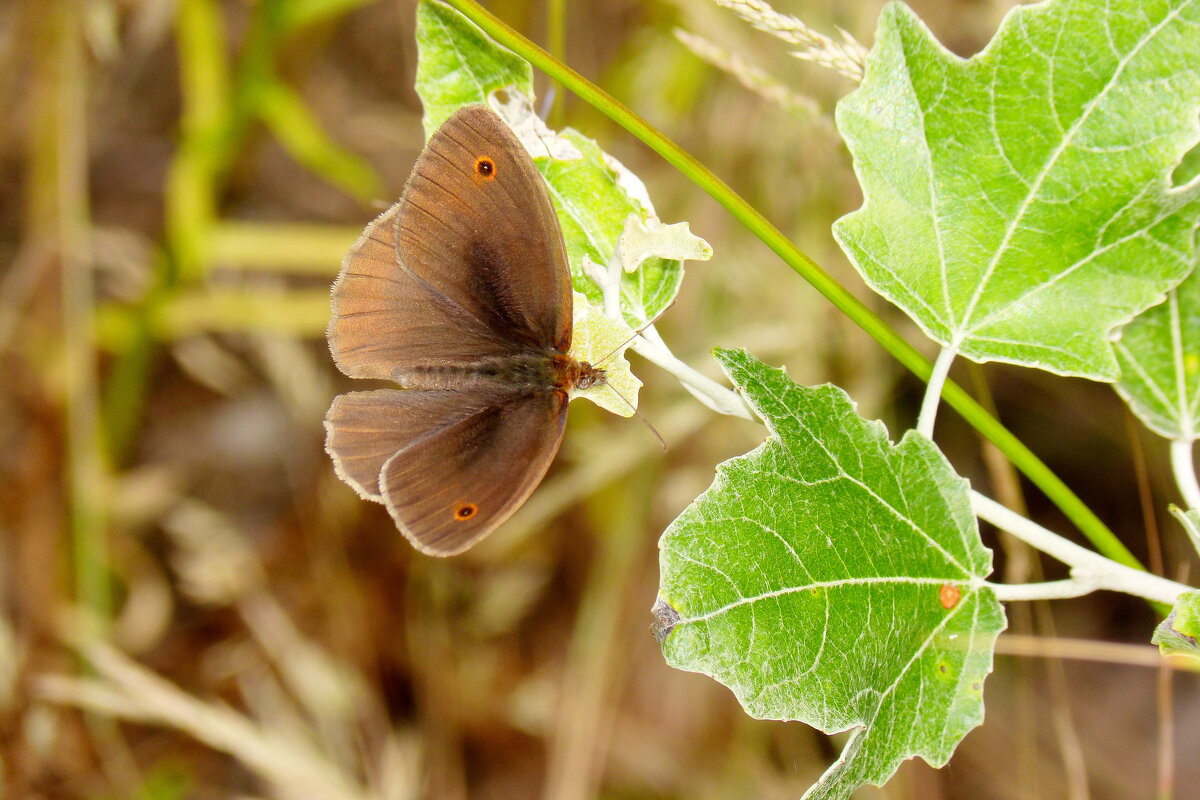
{"points": [[933, 391], [1089, 570], [719, 398], [611, 287], [1087, 567], [1184, 469], [1049, 590]]}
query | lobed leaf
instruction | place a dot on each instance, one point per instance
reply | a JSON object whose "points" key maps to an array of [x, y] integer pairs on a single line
{"points": [[834, 578], [1159, 354], [1018, 205]]}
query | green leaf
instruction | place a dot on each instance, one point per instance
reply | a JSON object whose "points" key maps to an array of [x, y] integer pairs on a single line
{"points": [[1159, 353], [834, 578], [593, 198], [458, 64], [1018, 205], [1179, 633]]}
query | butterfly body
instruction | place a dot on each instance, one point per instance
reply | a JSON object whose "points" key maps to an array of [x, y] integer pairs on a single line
{"points": [[461, 294], [531, 372]]}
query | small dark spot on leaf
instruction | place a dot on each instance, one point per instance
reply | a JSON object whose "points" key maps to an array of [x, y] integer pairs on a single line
{"points": [[665, 620]]}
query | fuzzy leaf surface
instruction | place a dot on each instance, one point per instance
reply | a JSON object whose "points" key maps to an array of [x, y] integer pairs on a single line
{"points": [[1159, 353], [1018, 205], [832, 577]]}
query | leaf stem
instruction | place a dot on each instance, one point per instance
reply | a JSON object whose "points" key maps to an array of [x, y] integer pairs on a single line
{"points": [[719, 398], [975, 415], [1184, 469], [1048, 590], [933, 391], [1087, 567]]}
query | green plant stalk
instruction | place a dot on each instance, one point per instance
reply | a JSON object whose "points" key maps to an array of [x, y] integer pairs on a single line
{"points": [[58, 213], [289, 248], [1021, 456], [190, 205], [218, 110], [556, 38]]}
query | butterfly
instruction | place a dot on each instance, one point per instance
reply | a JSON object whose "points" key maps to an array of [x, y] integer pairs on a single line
{"points": [[461, 294]]}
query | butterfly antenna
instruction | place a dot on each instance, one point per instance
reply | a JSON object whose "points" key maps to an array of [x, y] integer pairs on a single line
{"points": [[636, 334], [661, 441], [617, 349]]}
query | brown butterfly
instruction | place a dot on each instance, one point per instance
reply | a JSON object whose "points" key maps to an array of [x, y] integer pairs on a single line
{"points": [[460, 293]]}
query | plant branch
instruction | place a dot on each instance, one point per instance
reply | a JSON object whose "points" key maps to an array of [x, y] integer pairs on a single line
{"points": [[1184, 469], [1087, 567], [1012, 447]]}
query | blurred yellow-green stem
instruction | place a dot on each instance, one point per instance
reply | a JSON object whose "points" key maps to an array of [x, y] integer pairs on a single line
{"points": [[218, 110], [58, 227], [190, 205], [289, 247], [303, 313], [1024, 459]]}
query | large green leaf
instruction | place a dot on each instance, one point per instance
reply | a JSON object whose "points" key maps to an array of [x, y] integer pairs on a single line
{"points": [[1018, 205], [834, 578], [1159, 353], [593, 201]]}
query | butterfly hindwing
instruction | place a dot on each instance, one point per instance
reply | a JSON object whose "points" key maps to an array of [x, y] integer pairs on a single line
{"points": [[450, 489], [449, 466]]}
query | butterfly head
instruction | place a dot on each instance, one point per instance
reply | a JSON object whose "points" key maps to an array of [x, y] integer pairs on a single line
{"points": [[588, 376]]}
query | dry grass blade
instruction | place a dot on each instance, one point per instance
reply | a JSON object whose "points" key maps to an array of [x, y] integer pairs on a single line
{"points": [[125, 690], [847, 57], [750, 76]]}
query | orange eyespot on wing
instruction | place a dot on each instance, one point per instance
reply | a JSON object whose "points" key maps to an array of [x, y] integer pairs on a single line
{"points": [[485, 168], [465, 511], [949, 595]]}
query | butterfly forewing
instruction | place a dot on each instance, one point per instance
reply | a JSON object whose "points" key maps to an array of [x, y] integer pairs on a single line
{"points": [[469, 264], [510, 265], [385, 319]]}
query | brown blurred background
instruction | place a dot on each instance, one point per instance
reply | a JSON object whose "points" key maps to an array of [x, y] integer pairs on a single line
{"points": [[178, 182]]}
